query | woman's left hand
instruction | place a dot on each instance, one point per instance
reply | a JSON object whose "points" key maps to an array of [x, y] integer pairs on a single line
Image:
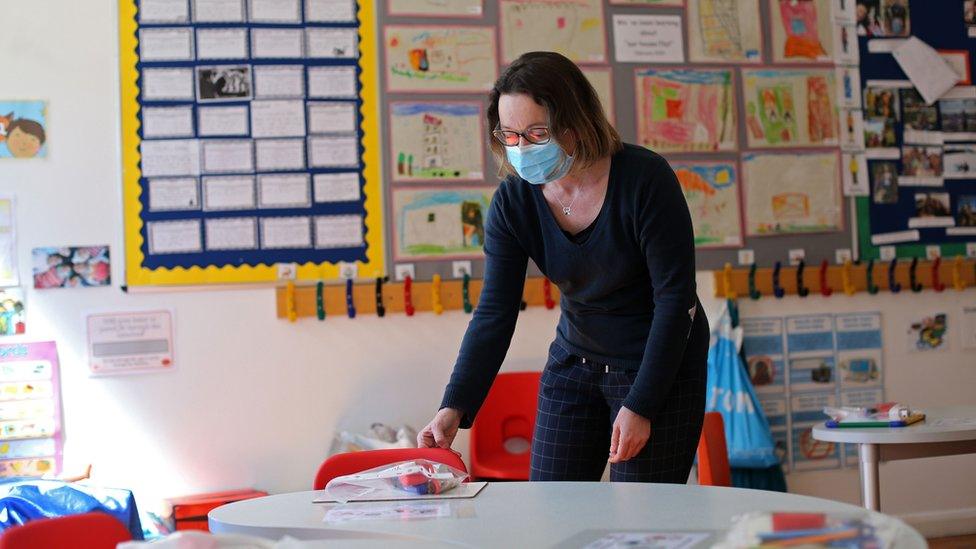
{"points": [[630, 433]]}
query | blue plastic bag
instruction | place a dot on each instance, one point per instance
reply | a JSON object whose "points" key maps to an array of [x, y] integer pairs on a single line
{"points": [[731, 393], [24, 501]]}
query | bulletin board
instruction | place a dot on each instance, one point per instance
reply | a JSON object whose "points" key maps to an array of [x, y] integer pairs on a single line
{"points": [[250, 143]]}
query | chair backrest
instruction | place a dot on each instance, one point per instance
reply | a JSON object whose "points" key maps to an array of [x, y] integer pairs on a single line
{"points": [[508, 411], [713, 454], [85, 531], [357, 462]]}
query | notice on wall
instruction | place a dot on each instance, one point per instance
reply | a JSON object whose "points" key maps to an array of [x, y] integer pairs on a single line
{"points": [[31, 440], [130, 342], [648, 39]]}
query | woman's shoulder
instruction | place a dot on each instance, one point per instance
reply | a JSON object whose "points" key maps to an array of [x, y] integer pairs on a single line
{"points": [[513, 191], [640, 158]]}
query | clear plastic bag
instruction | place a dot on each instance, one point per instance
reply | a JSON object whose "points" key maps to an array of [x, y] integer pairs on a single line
{"points": [[419, 477]]}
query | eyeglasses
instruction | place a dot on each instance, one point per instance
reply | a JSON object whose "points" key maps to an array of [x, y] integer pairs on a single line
{"points": [[537, 135]]}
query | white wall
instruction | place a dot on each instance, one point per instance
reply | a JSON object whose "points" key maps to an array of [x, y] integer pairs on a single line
{"points": [[255, 401]]}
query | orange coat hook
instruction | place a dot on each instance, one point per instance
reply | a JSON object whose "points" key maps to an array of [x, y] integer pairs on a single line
{"points": [[847, 278], [290, 302], [727, 282], [435, 295], [957, 280]]}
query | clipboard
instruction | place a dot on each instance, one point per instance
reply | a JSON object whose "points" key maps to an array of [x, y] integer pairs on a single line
{"points": [[466, 490], [882, 423]]}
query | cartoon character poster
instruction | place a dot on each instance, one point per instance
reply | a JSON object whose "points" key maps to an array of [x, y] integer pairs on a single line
{"points": [[23, 129], [71, 267], [929, 333]]}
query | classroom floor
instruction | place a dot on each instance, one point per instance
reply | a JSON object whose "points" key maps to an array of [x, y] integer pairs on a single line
{"points": [[955, 542]]}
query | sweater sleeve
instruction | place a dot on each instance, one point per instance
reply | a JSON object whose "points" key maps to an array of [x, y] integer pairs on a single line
{"points": [[489, 332], [666, 235]]}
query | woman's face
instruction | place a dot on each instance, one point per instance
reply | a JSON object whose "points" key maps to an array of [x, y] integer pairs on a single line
{"points": [[520, 112]]}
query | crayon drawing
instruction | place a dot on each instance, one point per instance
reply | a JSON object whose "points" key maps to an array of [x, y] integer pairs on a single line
{"points": [[574, 28], [435, 223], [801, 31], [686, 110], [602, 80], [790, 107], [440, 59], [436, 8], [726, 31], [712, 192], [436, 141], [792, 193], [22, 129], [670, 3]]}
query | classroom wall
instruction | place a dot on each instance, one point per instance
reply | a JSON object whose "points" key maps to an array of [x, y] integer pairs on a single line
{"points": [[255, 401]]}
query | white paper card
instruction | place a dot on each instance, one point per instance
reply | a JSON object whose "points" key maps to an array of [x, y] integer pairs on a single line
{"points": [[846, 49], [275, 11], [337, 117], [218, 11], [164, 11], [228, 156], [174, 237], [895, 237], [284, 191], [927, 70], [330, 11], [849, 88], [228, 193], [277, 43], [279, 81], [332, 82], [222, 43], [130, 342], [235, 233], [167, 122], [280, 154], [286, 232], [166, 44], [338, 231], [929, 222], [333, 151], [336, 187], [852, 130], [222, 121], [648, 38], [332, 43], [856, 181], [279, 118], [884, 45], [173, 194], [170, 157], [163, 84]]}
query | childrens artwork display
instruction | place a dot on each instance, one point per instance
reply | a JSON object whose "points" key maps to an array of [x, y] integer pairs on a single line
{"points": [[440, 59], [712, 192], [790, 107], [435, 8], [792, 193], [13, 316], [802, 31], [601, 78], [879, 18], [71, 267], [574, 29], [724, 31], [929, 333], [669, 3], [884, 182], [686, 110], [23, 127], [436, 141], [440, 223]]}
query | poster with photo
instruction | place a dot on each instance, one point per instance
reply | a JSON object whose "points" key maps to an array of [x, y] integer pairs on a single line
{"points": [[71, 267], [883, 18], [884, 182]]}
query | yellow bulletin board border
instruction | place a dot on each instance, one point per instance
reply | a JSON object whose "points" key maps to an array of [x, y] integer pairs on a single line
{"points": [[138, 275]]}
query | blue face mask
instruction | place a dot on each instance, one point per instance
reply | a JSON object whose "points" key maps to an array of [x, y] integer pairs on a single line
{"points": [[539, 164]]}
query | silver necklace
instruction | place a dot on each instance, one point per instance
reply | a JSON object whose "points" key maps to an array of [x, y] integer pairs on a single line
{"points": [[569, 209]]}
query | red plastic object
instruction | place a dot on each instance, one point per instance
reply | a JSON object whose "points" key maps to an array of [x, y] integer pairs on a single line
{"points": [[508, 412], [825, 290], [713, 455], [85, 531], [357, 462], [798, 521], [190, 512], [937, 284], [547, 293], [408, 296]]}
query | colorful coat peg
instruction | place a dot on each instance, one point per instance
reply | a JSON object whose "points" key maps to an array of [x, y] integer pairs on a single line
{"points": [[825, 289], [320, 300], [801, 288], [466, 293], [350, 306], [753, 291], [408, 296], [872, 287], [380, 308], [957, 281], [547, 293], [435, 295], [847, 278], [727, 282], [290, 302], [937, 284], [913, 282], [778, 290], [893, 284]]}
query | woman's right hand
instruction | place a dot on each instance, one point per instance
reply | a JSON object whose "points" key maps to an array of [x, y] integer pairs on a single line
{"points": [[441, 430]]}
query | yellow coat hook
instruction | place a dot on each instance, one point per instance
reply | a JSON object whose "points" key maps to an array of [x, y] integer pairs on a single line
{"points": [[957, 280], [727, 282], [847, 279], [435, 295], [290, 302]]}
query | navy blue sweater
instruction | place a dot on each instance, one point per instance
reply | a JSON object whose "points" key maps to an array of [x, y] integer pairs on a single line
{"points": [[628, 289]]}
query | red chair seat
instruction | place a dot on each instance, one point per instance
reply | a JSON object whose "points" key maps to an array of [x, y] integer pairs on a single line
{"points": [[85, 531], [502, 465], [509, 412], [357, 462], [713, 454]]}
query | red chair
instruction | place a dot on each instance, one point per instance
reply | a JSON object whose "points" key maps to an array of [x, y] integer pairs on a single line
{"points": [[357, 462], [85, 531], [713, 455], [507, 415]]}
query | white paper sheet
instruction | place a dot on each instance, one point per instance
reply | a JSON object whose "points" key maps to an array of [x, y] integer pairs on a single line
{"points": [[279, 81], [884, 45], [648, 38], [846, 49], [218, 11], [235, 233], [333, 151], [895, 237], [130, 342], [330, 11], [286, 232], [332, 43], [228, 193], [166, 44], [844, 12], [336, 187], [852, 130], [162, 157], [961, 231], [650, 540], [173, 237], [164, 11], [164, 84], [332, 82], [275, 11], [167, 122], [228, 156], [284, 191], [399, 512], [222, 121], [882, 153], [856, 180], [173, 194], [927, 70], [331, 117], [280, 154], [221, 44], [278, 118], [339, 231], [277, 43]]}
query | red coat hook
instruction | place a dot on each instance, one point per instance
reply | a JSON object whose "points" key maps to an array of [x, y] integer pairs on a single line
{"points": [[825, 289], [937, 284], [408, 295], [547, 293]]}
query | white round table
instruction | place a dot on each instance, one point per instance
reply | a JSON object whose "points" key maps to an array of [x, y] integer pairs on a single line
{"points": [[527, 514], [945, 432]]}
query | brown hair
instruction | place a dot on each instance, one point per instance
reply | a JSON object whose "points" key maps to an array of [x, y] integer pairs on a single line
{"points": [[29, 127], [556, 83]]}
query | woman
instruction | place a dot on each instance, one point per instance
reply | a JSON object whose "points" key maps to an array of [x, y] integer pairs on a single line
{"points": [[608, 224]]}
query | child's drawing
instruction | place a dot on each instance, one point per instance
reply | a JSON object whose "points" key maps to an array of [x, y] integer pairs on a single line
{"points": [[790, 107], [724, 31], [792, 193], [436, 141], [802, 31], [22, 129], [437, 223], [712, 192], [573, 28], [436, 8], [440, 59], [686, 110]]}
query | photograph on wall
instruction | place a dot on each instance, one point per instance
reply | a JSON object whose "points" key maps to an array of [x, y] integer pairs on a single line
{"points": [[881, 18], [574, 29], [436, 141], [958, 60], [882, 103], [917, 115], [929, 333], [712, 192], [921, 166], [958, 116], [440, 223], [807, 200], [959, 161], [966, 210], [686, 110], [23, 129], [790, 107], [13, 314], [601, 78], [969, 17], [884, 182], [435, 8], [802, 31], [725, 31], [932, 210], [879, 133], [71, 267], [224, 83], [440, 59]]}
